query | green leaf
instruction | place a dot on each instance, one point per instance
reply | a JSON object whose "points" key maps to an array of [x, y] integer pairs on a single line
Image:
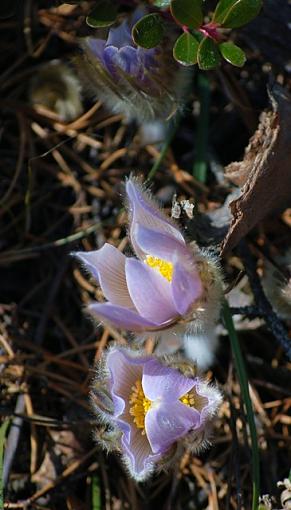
{"points": [[222, 9], [232, 54], [208, 54], [96, 493], [242, 12], [103, 14], [162, 3], [187, 12], [172, 128], [185, 49], [148, 31], [202, 130]]}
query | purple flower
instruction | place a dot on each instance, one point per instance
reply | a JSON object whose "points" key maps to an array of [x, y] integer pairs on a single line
{"points": [[145, 84], [119, 55], [155, 291], [155, 407]]}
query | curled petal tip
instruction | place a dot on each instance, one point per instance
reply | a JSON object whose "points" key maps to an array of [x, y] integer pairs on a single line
{"points": [[187, 288], [120, 317]]}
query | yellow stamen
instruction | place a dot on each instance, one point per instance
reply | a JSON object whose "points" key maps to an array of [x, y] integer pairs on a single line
{"points": [[188, 399], [164, 267], [139, 405]]}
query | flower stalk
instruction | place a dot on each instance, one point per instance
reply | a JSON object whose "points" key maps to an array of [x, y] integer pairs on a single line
{"points": [[243, 381]]}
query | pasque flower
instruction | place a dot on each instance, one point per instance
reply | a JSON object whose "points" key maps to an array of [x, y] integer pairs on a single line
{"points": [[145, 84], [151, 408], [171, 287]]}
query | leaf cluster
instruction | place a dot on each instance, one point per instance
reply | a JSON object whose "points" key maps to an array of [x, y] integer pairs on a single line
{"points": [[204, 40]]}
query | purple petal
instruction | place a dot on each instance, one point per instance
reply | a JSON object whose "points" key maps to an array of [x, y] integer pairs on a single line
{"points": [[138, 13], [108, 265], [128, 60], [166, 423], [150, 292], [125, 59], [124, 371], [120, 317], [159, 381], [89, 259], [145, 212], [160, 245], [139, 456], [186, 288], [109, 57], [120, 36]]}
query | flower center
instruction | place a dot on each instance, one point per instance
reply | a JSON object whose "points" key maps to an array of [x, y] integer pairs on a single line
{"points": [[139, 405], [164, 267], [188, 399]]}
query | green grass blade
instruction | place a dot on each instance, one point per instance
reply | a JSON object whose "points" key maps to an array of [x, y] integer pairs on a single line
{"points": [[243, 381], [200, 164], [170, 135], [96, 493]]}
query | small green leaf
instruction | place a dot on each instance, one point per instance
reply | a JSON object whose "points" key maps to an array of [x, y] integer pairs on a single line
{"points": [[103, 14], [242, 12], [222, 9], [148, 31], [185, 49], [208, 55], [162, 3], [187, 12], [96, 493], [232, 54]]}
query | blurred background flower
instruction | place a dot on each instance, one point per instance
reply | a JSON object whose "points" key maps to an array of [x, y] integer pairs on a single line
{"points": [[142, 84]]}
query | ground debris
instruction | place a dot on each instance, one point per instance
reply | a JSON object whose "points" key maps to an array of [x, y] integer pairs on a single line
{"points": [[264, 175]]}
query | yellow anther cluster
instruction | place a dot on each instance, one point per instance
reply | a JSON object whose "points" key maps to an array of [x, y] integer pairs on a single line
{"points": [[188, 399], [139, 404], [165, 268]]}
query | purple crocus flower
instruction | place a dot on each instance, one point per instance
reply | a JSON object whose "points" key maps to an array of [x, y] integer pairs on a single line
{"points": [[155, 407], [155, 291], [145, 84]]}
